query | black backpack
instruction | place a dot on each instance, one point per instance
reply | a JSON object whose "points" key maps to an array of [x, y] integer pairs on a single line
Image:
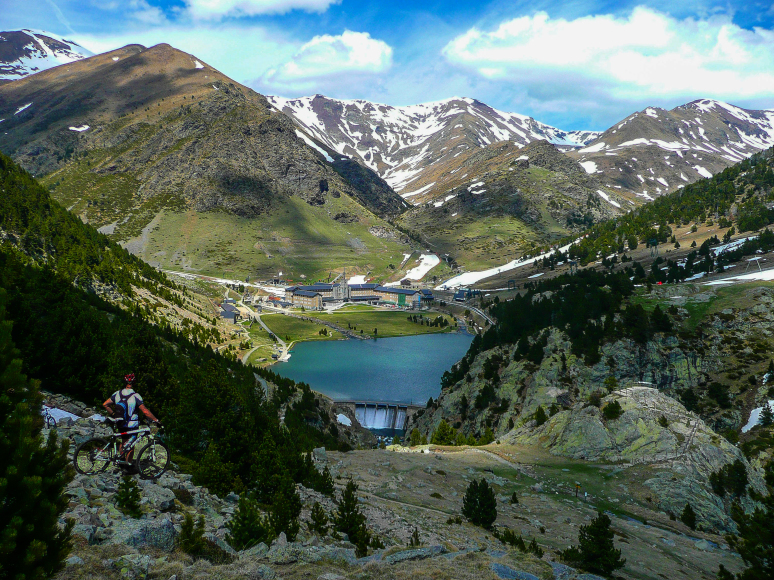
{"points": [[121, 408]]}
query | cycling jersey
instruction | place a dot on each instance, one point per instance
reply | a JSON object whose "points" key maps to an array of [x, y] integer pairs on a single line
{"points": [[132, 400]]}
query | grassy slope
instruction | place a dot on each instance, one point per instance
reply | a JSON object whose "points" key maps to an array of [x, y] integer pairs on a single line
{"points": [[293, 236]]}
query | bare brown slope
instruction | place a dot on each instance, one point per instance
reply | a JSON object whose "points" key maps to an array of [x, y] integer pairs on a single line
{"points": [[173, 124]]}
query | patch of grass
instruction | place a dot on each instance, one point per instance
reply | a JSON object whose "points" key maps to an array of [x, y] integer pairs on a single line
{"points": [[296, 329], [389, 323]]}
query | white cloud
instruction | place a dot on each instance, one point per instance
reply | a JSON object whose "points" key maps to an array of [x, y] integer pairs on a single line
{"points": [[645, 53], [325, 56], [214, 9]]}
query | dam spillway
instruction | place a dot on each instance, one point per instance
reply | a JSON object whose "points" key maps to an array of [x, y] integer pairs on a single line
{"points": [[381, 415]]}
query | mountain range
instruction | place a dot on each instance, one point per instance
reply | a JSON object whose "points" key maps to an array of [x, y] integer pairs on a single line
{"points": [[193, 171], [25, 52]]}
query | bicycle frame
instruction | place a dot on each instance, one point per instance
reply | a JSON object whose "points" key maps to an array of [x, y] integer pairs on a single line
{"points": [[114, 443]]}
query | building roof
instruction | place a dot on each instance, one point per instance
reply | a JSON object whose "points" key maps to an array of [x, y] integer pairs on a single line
{"points": [[306, 293], [363, 286], [391, 290], [426, 292], [364, 298], [229, 307]]}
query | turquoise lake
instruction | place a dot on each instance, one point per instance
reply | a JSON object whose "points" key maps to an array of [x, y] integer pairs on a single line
{"points": [[406, 369]]}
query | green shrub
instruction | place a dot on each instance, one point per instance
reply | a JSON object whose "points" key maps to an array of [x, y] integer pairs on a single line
{"points": [[414, 541], [731, 478], [128, 497], [595, 551], [612, 411], [479, 506], [191, 539], [688, 517], [248, 527], [319, 520]]}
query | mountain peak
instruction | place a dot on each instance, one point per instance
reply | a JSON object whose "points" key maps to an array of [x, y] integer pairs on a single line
{"points": [[25, 52]]}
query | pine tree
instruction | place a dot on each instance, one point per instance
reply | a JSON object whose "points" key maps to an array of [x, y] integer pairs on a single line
{"points": [[595, 551], [688, 516], [33, 475], [191, 539], [351, 521], [479, 505], [540, 416], [444, 434], [285, 509], [414, 541], [247, 527], [767, 416], [415, 437], [487, 437], [128, 497], [319, 520], [755, 541]]}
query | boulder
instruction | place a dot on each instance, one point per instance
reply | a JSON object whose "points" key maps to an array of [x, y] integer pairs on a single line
{"points": [[320, 455], [415, 554], [159, 534], [160, 498]]}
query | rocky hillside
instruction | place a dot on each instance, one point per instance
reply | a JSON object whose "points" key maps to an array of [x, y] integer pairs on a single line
{"points": [[26, 52], [139, 138], [408, 145], [655, 151], [518, 198], [656, 398]]}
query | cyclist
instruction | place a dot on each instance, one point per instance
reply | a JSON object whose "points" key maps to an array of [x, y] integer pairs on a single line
{"points": [[125, 403]]}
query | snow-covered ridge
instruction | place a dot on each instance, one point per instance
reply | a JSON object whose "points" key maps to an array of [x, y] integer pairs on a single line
{"points": [[655, 151], [404, 143], [26, 52]]}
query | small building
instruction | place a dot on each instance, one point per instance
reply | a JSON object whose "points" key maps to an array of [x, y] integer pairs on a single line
{"points": [[426, 295], [229, 312], [308, 299], [460, 296], [405, 297]]}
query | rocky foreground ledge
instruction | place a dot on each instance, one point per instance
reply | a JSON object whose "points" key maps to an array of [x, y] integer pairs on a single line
{"points": [[109, 544]]}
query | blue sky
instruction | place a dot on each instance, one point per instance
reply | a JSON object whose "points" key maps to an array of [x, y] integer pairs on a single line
{"points": [[573, 64]]}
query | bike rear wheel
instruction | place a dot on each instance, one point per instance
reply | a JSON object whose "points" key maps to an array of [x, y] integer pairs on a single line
{"points": [[152, 460], [93, 456]]}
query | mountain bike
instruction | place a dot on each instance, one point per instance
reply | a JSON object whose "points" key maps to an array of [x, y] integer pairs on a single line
{"points": [[95, 455], [48, 419]]}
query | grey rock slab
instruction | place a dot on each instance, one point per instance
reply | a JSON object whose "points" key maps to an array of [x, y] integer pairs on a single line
{"points": [[258, 551], [415, 554], [562, 572], [74, 561], [220, 543], [330, 576], [507, 573], [320, 454]]}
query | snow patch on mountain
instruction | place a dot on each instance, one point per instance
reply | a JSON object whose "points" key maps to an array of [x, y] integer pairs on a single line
{"points": [[25, 52]]}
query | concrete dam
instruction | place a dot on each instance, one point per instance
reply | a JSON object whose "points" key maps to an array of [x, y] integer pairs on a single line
{"points": [[381, 416]]}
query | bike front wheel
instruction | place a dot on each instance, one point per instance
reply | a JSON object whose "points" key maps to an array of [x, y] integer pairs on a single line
{"points": [[92, 456], [152, 460]]}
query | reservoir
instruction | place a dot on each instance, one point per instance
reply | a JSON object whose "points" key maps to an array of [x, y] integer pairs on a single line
{"points": [[406, 369]]}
